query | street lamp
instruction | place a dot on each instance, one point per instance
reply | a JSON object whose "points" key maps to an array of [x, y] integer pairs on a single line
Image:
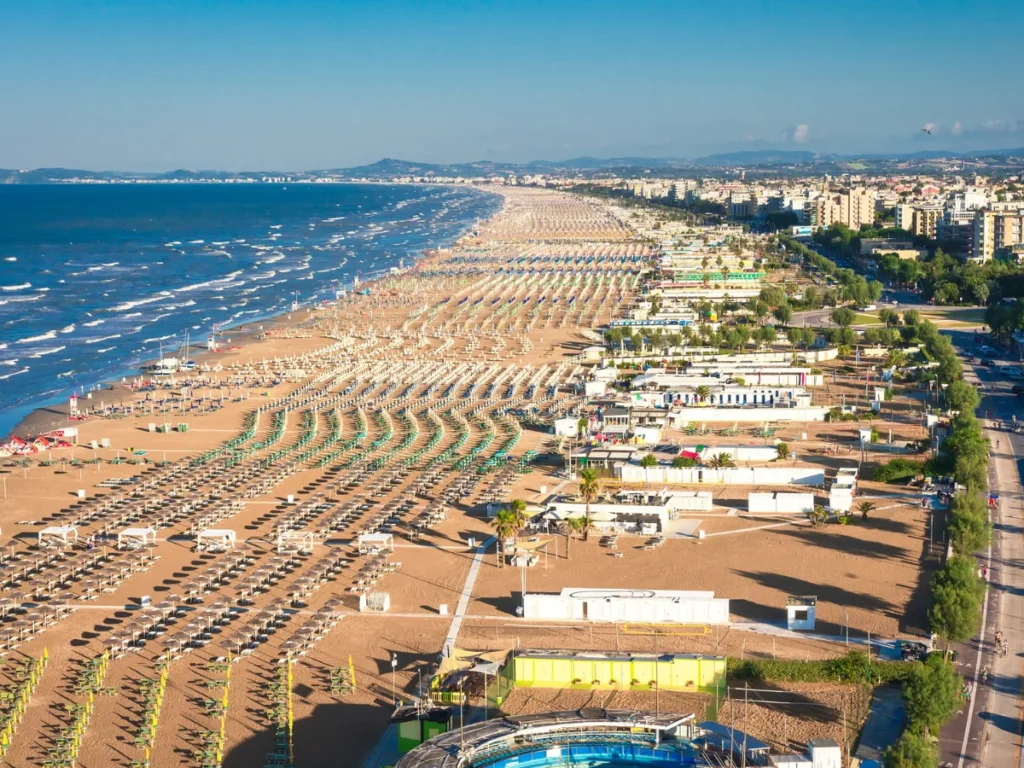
{"points": [[394, 667]]}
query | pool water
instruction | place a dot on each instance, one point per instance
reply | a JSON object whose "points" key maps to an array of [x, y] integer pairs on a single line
{"points": [[598, 756]]}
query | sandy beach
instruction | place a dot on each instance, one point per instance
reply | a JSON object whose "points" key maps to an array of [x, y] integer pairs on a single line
{"points": [[400, 412]]}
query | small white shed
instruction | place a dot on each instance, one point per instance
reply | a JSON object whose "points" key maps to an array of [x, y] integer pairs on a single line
{"points": [[215, 540], [647, 435], [801, 612], [136, 538], [566, 427], [58, 536], [825, 753]]}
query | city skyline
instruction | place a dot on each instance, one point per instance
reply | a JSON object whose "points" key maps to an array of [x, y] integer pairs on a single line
{"points": [[313, 85]]}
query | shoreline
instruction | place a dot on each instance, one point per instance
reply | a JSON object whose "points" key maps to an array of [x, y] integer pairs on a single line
{"points": [[48, 417]]}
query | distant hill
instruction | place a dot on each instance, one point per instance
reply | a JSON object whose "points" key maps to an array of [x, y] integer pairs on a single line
{"points": [[390, 168], [760, 157]]}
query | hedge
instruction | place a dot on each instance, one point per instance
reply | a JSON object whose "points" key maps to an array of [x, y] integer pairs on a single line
{"points": [[851, 668], [897, 469]]}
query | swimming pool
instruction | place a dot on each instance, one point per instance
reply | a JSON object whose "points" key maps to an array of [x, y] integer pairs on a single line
{"points": [[598, 756]]}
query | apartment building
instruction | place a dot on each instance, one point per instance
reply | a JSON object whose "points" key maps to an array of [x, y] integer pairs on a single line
{"points": [[996, 228], [853, 208], [857, 208], [922, 219]]}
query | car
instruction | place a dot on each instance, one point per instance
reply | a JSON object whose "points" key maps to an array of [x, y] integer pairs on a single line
{"points": [[969, 358], [1018, 389], [868, 308], [1014, 373], [986, 350], [987, 361]]}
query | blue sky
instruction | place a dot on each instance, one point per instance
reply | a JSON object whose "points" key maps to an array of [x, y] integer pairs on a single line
{"points": [[122, 84]]}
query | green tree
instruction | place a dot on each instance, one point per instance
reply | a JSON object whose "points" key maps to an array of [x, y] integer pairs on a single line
{"points": [[969, 527], [648, 461], [843, 317], [957, 592], [912, 751], [961, 396], [911, 317], [703, 392], [895, 358], [783, 313], [888, 317], [947, 293], [932, 695], [766, 335], [782, 451]]}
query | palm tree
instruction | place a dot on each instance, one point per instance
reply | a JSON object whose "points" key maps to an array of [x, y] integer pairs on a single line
{"points": [[518, 508], [721, 461], [589, 487], [703, 392], [570, 527], [895, 358], [864, 508], [506, 526]]}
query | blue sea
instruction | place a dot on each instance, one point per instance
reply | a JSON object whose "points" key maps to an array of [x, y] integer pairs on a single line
{"points": [[95, 279]]}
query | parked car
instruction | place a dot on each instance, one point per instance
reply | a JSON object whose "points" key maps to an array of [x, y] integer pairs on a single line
{"points": [[987, 361], [1018, 389]]}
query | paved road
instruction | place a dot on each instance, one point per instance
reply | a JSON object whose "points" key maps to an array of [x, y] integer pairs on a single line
{"points": [[988, 731], [820, 317]]}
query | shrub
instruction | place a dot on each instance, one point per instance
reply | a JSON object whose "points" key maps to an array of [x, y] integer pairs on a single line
{"points": [[851, 668], [897, 469]]}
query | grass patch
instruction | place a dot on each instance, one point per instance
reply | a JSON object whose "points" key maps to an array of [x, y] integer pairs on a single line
{"points": [[955, 315], [866, 318]]}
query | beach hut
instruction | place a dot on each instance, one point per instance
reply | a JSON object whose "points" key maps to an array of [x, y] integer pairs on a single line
{"points": [[295, 541], [374, 602], [375, 542], [58, 535], [136, 538], [215, 540]]}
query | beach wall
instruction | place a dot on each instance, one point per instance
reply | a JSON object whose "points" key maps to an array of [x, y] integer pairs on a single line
{"points": [[748, 415], [634, 473]]}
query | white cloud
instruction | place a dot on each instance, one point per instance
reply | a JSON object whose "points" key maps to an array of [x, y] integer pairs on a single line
{"points": [[1003, 126], [957, 128], [797, 133], [930, 127]]}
